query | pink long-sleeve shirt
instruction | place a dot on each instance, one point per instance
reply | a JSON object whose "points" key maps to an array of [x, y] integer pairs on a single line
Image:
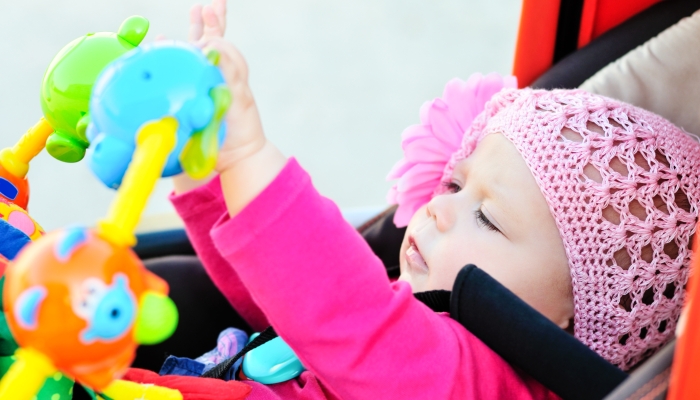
{"points": [[289, 259]]}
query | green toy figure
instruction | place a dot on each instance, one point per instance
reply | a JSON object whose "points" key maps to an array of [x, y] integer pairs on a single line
{"points": [[65, 91]]}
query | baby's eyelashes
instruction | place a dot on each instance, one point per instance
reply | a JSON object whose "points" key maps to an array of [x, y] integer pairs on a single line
{"points": [[484, 221]]}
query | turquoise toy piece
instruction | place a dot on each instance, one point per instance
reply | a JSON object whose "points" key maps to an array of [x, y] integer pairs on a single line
{"points": [[68, 81], [27, 306], [272, 362], [163, 79]]}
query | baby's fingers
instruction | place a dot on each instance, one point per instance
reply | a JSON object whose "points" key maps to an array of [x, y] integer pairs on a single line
{"points": [[196, 23], [231, 62], [219, 7], [214, 18], [234, 69]]}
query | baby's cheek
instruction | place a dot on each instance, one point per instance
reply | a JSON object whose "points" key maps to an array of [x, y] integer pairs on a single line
{"points": [[443, 277]]}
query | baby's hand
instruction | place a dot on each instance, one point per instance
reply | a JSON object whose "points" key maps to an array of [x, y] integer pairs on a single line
{"points": [[244, 134], [207, 22], [247, 162], [244, 130]]}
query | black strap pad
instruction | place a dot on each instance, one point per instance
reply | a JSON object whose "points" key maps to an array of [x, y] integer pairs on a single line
{"points": [[528, 340]]}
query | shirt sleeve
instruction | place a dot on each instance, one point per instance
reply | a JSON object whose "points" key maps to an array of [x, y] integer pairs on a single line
{"points": [[328, 296], [200, 208]]}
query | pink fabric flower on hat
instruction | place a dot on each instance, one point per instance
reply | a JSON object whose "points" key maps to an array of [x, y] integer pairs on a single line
{"points": [[428, 146]]}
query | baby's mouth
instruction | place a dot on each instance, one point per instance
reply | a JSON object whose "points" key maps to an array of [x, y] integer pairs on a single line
{"points": [[414, 258]]}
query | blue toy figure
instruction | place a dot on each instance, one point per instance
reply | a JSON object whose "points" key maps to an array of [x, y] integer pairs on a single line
{"points": [[150, 83]]}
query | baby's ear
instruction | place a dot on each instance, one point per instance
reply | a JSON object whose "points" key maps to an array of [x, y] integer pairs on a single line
{"points": [[568, 326], [134, 29]]}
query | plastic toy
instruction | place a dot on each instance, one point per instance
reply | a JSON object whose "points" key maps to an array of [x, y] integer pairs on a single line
{"points": [[154, 142], [79, 301], [68, 82], [14, 163], [161, 80], [20, 219], [272, 362], [3, 264], [57, 386], [65, 96], [79, 304]]}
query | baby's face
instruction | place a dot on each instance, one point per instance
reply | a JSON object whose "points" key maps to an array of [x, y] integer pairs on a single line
{"points": [[495, 217]]}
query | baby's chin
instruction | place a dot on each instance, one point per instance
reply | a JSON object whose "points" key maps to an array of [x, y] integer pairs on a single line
{"points": [[416, 287]]}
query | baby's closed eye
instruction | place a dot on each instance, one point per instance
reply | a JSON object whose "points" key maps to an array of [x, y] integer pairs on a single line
{"points": [[484, 221]]}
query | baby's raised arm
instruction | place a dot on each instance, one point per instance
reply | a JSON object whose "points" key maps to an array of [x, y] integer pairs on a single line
{"points": [[248, 162]]}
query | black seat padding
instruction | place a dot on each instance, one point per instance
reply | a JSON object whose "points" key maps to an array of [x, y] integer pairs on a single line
{"points": [[172, 242], [528, 340], [204, 312], [577, 67]]}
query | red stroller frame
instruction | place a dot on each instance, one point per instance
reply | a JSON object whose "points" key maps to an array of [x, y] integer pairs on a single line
{"points": [[552, 29]]}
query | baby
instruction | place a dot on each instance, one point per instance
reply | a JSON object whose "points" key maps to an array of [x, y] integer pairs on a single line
{"points": [[582, 206]]}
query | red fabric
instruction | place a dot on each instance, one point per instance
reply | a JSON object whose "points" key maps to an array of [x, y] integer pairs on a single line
{"points": [[534, 50], [599, 16], [192, 388], [585, 32]]}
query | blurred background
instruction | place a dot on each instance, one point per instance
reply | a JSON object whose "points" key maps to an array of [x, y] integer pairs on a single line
{"points": [[336, 81]]}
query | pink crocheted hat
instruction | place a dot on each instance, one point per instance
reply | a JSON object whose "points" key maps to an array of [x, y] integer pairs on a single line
{"points": [[622, 185]]}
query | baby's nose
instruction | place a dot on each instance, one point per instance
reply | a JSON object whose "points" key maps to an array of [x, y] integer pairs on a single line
{"points": [[441, 208]]}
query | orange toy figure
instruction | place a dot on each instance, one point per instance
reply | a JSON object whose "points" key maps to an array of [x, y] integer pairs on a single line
{"points": [[20, 219], [79, 304]]}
